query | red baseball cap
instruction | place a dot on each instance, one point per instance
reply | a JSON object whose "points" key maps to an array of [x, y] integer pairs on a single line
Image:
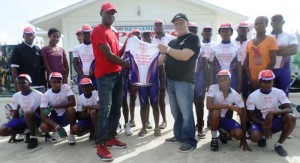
{"points": [[224, 73], [158, 21], [136, 31], [226, 25], [266, 75], [86, 28], [107, 6], [243, 25], [55, 75], [207, 27], [193, 24], [79, 31], [26, 76], [86, 81], [28, 30]]}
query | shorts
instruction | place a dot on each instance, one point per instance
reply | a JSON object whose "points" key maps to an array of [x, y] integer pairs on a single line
{"points": [[149, 91], [277, 124], [62, 120], [85, 123], [19, 123], [228, 124]]}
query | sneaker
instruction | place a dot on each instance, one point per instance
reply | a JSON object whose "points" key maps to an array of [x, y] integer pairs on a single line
{"points": [[115, 143], [104, 153], [92, 136], [148, 125], [27, 137], [128, 131], [132, 123], [262, 142], [280, 150], [119, 129], [185, 148], [157, 132], [61, 132], [201, 134], [214, 144], [171, 140], [289, 137], [54, 137], [223, 136], [72, 140], [32, 143]]}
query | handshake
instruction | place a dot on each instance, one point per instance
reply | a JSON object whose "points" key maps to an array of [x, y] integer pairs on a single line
{"points": [[47, 111]]}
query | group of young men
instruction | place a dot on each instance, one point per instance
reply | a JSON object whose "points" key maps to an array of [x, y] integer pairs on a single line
{"points": [[106, 73]]}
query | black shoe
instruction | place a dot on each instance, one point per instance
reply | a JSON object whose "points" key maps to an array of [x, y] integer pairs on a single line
{"points": [[27, 137], [171, 140], [92, 135], [223, 136], [32, 143], [47, 136], [185, 148], [262, 142], [214, 144], [280, 150]]}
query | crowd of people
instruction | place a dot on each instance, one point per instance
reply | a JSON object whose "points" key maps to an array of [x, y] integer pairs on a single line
{"points": [[247, 78]]}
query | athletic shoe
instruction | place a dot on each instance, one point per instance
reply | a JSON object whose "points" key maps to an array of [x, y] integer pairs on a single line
{"points": [[128, 131], [132, 123], [157, 132], [171, 140], [104, 153], [119, 129], [71, 139], [201, 134], [223, 136], [61, 132], [27, 137], [148, 125], [54, 137], [116, 143], [92, 136], [280, 150], [32, 143], [185, 148], [214, 144], [262, 142]]}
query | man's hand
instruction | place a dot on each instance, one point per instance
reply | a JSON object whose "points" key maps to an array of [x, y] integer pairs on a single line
{"points": [[234, 108], [163, 48], [244, 144]]}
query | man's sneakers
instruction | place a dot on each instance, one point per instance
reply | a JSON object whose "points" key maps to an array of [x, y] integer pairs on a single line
{"points": [[54, 137], [104, 153], [280, 150], [201, 134], [32, 143], [132, 123], [72, 140], [214, 144], [116, 143], [184, 148], [171, 140], [148, 125], [262, 142], [119, 129], [128, 131], [223, 136]]}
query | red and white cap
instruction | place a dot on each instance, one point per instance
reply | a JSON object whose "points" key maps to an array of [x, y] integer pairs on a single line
{"points": [[86, 28], [28, 30], [193, 24], [207, 27], [86, 81], [107, 6], [224, 73], [266, 75], [136, 31], [55, 75], [26, 76], [158, 21], [226, 25], [78, 31], [243, 25]]}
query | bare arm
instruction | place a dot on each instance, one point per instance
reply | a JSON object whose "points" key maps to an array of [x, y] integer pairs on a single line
{"points": [[14, 72], [272, 60], [76, 67], [111, 57], [161, 59], [66, 66], [181, 55], [46, 64], [210, 105], [286, 51], [70, 103]]}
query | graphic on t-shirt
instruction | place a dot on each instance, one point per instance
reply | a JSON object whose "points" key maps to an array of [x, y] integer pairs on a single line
{"points": [[258, 60], [143, 58]]}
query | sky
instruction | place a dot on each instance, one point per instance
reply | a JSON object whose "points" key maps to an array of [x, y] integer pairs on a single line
{"points": [[15, 14]]}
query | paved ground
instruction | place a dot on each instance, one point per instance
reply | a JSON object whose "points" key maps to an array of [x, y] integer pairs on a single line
{"points": [[148, 149]]}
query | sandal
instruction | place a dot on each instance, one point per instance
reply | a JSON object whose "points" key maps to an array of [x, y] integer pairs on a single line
{"points": [[157, 132], [142, 133], [163, 125]]}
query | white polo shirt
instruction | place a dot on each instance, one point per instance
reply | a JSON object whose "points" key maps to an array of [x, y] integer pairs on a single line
{"points": [[83, 101], [86, 55], [29, 102], [164, 40]]}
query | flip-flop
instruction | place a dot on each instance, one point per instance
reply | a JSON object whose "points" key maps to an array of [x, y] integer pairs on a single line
{"points": [[163, 125], [142, 133]]}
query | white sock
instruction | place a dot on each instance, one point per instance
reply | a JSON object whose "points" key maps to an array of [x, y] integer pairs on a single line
{"points": [[214, 134], [278, 144], [32, 136]]}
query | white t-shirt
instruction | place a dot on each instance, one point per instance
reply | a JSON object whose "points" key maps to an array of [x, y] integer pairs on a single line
{"points": [[242, 50], [29, 102], [143, 59], [50, 98], [266, 102], [205, 51], [225, 53], [86, 55], [83, 101], [218, 98], [283, 39], [164, 40]]}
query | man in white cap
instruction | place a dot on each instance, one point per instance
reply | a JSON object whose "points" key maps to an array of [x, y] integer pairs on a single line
{"points": [[109, 81], [27, 59], [180, 57], [222, 101], [273, 113]]}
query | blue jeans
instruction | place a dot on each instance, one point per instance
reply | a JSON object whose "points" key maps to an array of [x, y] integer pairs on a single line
{"points": [[110, 88], [181, 96]]}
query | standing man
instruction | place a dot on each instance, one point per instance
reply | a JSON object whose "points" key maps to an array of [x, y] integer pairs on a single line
{"points": [[161, 37], [109, 81], [27, 59], [180, 57], [287, 46]]}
